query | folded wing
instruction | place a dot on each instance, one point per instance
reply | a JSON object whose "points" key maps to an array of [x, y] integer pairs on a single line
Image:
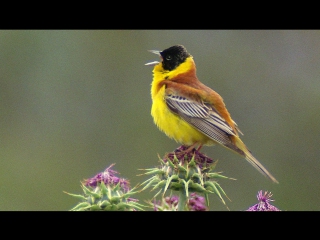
{"points": [[203, 117]]}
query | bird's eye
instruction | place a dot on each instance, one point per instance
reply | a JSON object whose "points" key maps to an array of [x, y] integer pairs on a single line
{"points": [[168, 57]]}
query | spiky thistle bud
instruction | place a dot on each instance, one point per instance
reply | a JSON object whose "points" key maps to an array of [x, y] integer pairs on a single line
{"points": [[106, 192], [185, 171]]}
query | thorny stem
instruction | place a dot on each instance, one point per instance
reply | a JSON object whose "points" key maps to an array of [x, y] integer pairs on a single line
{"points": [[182, 201]]}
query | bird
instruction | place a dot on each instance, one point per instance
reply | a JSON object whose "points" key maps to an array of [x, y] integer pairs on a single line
{"points": [[190, 112]]}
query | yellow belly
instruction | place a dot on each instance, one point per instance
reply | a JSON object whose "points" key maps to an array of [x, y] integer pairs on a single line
{"points": [[174, 126]]}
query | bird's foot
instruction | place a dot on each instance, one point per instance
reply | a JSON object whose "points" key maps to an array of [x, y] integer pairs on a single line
{"points": [[184, 150]]}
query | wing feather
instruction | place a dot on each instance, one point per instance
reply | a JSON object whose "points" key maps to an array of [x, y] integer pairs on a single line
{"points": [[203, 117]]}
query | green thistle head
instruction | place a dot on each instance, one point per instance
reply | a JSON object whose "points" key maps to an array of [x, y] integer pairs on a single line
{"points": [[186, 172], [106, 192]]}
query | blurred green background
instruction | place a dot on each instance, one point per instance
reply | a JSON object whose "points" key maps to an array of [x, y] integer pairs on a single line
{"points": [[75, 101]]}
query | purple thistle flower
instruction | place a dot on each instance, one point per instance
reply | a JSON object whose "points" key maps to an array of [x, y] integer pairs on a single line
{"points": [[107, 192], [108, 177], [264, 202]]}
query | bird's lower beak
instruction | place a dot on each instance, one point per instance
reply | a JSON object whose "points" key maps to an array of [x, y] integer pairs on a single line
{"points": [[154, 62]]}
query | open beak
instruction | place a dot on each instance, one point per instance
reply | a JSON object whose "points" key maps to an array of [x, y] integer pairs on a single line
{"points": [[155, 52], [154, 62]]}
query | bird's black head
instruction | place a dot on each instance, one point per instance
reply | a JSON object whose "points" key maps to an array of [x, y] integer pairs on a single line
{"points": [[173, 57]]}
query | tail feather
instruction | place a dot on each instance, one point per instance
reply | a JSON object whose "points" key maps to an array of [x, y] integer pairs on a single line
{"points": [[252, 160]]}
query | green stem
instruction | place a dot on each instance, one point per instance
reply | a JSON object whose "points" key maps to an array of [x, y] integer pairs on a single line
{"points": [[182, 200]]}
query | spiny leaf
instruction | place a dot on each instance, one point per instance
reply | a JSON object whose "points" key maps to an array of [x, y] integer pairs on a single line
{"points": [[149, 182], [197, 176], [81, 197], [157, 193], [196, 187], [152, 171], [217, 175], [81, 206], [167, 184], [215, 190], [160, 184], [221, 190]]}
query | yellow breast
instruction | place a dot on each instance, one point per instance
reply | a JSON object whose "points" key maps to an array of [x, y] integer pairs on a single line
{"points": [[174, 126]]}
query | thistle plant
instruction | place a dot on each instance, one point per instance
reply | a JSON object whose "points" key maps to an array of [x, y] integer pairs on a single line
{"points": [[183, 180], [185, 172], [106, 192]]}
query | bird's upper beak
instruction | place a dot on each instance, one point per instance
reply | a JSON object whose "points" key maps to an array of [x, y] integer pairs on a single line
{"points": [[154, 62]]}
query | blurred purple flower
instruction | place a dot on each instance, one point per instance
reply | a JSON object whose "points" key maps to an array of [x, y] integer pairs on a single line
{"points": [[172, 201], [264, 203], [197, 203]]}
